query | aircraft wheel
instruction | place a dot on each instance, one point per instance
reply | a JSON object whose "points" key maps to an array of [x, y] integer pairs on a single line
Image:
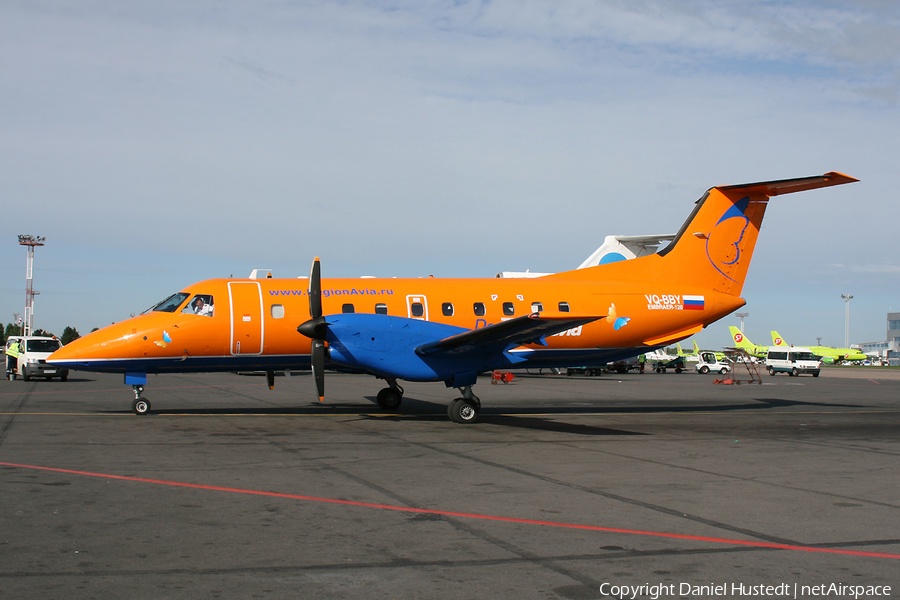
{"points": [[704, 369], [140, 406], [389, 398], [462, 411]]}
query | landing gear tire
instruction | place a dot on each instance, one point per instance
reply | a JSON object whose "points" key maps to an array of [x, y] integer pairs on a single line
{"points": [[462, 411], [389, 398], [140, 406]]}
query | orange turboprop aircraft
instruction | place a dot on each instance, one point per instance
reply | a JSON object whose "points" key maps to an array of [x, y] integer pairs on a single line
{"points": [[448, 330]]}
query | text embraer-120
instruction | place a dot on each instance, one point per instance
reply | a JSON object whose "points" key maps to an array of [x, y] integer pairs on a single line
{"points": [[448, 330]]}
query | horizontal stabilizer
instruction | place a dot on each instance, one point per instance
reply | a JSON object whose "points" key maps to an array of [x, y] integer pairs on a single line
{"points": [[789, 186], [529, 329]]}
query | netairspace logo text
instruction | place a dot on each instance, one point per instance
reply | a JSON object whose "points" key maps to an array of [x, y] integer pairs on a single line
{"points": [[795, 591]]}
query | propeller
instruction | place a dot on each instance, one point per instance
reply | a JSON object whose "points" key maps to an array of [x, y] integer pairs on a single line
{"points": [[316, 328]]}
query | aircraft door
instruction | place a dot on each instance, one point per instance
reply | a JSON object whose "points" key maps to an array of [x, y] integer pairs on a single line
{"points": [[245, 300], [417, 307]]}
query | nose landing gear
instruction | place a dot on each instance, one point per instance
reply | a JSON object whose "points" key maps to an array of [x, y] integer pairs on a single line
{"points": [[140, 406]]}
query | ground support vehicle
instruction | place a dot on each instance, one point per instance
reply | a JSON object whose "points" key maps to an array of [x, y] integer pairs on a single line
{"points": [[794, 360], [28, 357], [709, 362], [676, 364]]}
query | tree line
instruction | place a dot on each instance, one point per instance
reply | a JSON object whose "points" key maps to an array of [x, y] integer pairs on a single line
{"points": [[69, 334]]}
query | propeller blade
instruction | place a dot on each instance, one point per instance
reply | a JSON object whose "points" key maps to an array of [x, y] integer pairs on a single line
{"points": [[317, 357], [316, 328], [315, 289]]}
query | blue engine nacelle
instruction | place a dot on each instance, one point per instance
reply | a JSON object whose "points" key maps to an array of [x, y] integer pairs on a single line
{"points": [[385, 346]]}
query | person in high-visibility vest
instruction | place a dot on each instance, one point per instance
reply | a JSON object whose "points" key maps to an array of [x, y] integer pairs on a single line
{"points": [[12, 358]]}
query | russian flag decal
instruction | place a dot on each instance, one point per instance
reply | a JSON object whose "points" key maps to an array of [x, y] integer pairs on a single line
{"points": [[693, 302]]}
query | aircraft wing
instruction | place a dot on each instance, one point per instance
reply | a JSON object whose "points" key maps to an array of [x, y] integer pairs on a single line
{"points": [[529, 329]]}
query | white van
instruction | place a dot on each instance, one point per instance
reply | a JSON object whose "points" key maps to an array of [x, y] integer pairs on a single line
{"points": [[792, 360], [32, 356]]}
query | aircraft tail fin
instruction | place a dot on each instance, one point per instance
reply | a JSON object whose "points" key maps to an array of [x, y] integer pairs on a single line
{"points": [[740, 340], [713, 248], [777, 340]]}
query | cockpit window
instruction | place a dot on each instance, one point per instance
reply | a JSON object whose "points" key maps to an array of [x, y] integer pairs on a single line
{"points": [[170, 304], [201, 304]]}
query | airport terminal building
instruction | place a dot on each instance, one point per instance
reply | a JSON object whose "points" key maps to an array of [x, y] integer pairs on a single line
{"points": [[890, 348]]}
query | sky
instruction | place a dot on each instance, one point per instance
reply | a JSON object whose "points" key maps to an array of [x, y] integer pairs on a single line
{"points": [[156, 144]]}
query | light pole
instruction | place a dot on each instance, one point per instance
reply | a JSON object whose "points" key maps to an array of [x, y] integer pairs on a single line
{"points": [[847, 298], [741, 316], [30, 241]]}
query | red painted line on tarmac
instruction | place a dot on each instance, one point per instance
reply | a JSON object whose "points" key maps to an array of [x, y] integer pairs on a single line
{"points": [[448, 513]]}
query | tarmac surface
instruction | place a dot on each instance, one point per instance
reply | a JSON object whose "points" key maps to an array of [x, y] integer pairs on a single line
{"points": [[567, 487]]}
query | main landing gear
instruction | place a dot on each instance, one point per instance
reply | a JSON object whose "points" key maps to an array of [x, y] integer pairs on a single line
{"points": [[140, 406], [464, 410], [390, 397]]}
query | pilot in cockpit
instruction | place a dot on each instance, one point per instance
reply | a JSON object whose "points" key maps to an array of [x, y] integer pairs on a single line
{"points": [[202, 305]]}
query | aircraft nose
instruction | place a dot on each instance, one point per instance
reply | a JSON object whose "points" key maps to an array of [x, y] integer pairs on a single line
{"points": [[68, 353]]}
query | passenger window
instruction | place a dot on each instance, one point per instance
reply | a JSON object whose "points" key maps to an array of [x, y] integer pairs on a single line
{"points": [[348, 308], [277, 311], [563, 307], [417, 309], [447, 309], [537, 307], [479, 309], [381, 309], [201, 304], [509, 309]]}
